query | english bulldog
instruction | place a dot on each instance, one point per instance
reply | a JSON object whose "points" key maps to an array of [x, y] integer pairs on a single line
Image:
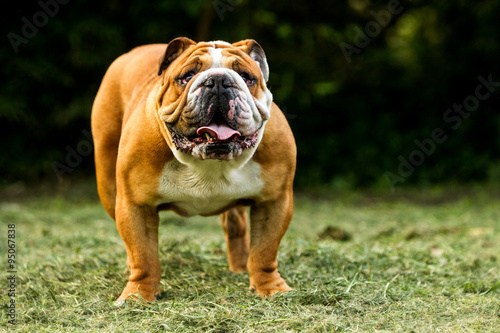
{"points": [[192, 127]]}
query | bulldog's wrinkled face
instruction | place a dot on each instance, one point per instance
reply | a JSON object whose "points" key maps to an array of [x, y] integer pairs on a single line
{"points": [[214, 99]]}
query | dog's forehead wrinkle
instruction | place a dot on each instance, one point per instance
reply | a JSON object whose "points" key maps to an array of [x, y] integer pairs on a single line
{"points": [[220, 42]]}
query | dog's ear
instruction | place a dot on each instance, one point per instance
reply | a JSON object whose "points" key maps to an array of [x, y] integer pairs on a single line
{"points": [[174, 50], [255, 51]]}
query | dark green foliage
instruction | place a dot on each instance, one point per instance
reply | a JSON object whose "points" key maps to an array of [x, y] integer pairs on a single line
{"points": [[352, 120]]}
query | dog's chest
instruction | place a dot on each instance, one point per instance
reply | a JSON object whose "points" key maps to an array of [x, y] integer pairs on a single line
{"points": [[208, 186]]}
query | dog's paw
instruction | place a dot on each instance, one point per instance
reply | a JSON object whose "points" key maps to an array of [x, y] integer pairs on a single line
{"points": [[119, 302], [138, 292], [269, 289]]}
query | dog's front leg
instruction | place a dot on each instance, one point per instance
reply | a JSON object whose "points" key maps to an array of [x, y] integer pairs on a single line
{"points": [[269, 222], [138, 227]]}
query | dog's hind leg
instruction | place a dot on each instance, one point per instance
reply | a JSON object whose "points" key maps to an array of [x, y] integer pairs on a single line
{"points": [[235, 225]]}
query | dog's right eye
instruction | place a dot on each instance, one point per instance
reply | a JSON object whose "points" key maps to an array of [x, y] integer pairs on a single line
{"points": [[186, 78]]}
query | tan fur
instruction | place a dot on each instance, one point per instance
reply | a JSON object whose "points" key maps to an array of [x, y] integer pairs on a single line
{"points": [[131, 150]]}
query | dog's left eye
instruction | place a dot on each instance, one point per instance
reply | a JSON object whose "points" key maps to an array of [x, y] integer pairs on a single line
{"points": [[186, 78], [248, 80]]}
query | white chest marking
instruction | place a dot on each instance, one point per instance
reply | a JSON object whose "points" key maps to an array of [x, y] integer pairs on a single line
{"points": [[206, 186]]}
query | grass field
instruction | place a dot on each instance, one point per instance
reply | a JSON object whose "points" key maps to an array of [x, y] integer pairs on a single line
{"points": [[416, 260]]}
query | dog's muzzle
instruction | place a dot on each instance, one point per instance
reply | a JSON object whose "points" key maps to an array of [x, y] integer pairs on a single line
{"points": [[219, 106]]}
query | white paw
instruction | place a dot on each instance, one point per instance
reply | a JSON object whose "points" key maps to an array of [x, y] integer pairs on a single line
{"points": [[119, 302]]}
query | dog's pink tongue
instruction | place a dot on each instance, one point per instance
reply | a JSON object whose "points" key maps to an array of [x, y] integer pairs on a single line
{"points": [[221, 131]]}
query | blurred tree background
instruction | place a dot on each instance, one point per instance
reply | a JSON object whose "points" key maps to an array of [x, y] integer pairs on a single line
{"points": [[354, 117]]}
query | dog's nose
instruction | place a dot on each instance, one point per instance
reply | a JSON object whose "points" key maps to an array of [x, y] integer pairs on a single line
{"points": [[218, 83]]}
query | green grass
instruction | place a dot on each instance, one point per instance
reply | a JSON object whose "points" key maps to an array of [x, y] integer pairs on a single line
{"points": [[421, 260]]}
